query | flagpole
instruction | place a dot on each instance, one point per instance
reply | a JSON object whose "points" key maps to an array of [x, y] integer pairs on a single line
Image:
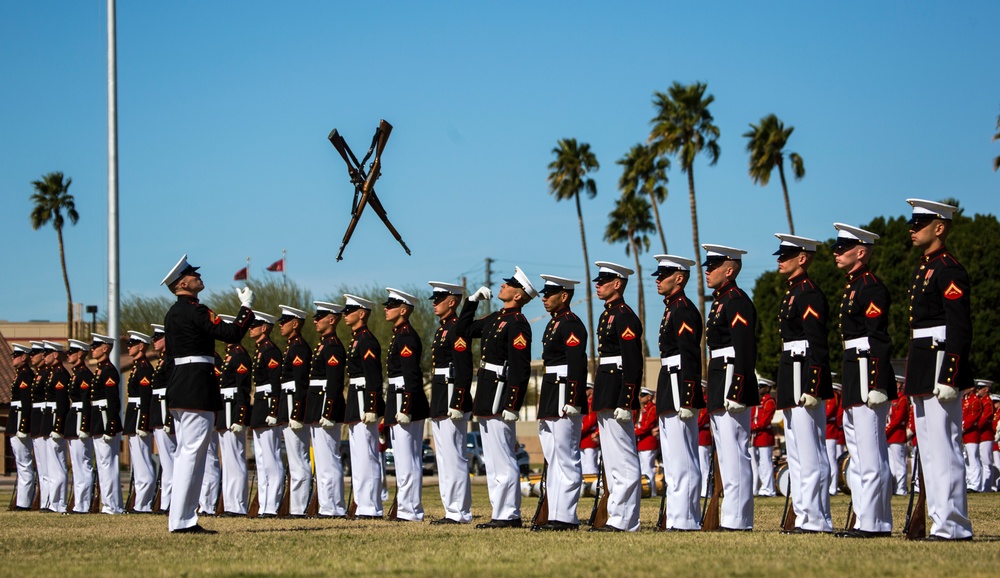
{"points": [[114, 302]]}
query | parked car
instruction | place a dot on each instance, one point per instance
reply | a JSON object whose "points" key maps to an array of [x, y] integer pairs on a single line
{"points": [[474, 453], [428, 460]]}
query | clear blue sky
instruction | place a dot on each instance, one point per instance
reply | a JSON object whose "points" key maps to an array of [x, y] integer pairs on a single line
{"points": [[224, 109]]}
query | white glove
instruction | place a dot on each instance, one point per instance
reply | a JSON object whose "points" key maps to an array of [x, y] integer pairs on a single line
{"points": [[84, 435], [945, 392], [295, 425], [327, 424], [142, 433], [509, 416], [455, 414], [246, 297], [21, 435], [369, 418], [271, 420], [402, 418], [166, 429], [685, 413], [808, 401], [622, 415], [56, 435], [996, 438], [107, 439], [570, 410], [236, 428], [735, 407], [876, 397], [483, 293]]}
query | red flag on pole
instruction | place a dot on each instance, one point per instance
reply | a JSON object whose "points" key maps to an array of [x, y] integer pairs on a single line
{"points": [[278, 266], [240, 275]]}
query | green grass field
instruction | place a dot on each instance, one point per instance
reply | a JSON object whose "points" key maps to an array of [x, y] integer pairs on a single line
{"points": [[37, 544]]}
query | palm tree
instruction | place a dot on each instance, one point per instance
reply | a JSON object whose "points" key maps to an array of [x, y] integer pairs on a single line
{"points": [[645, 173], [52, 199], [629, 223], [766, 146], [683, 126], [996, 137], [567, 179]]}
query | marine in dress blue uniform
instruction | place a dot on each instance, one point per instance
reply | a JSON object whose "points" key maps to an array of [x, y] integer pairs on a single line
{"points": [[137, 426], [160, 419], [325, 409], [77, 430], [105, 423], [264, 418], [292, 409]]}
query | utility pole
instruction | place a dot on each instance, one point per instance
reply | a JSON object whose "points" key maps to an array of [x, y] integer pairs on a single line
{"points": [[488, 282]]}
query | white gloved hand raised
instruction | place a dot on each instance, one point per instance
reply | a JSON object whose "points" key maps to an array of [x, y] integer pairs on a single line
{"points": [[877, 397], [734, 407], [271, 420], [246, 297], [327, 424], [570, 410], [945, 392], [294, 424], [236, 428], [402, 418], [622, 415], [807, 401], [509, 415], [107, 439], [369, 418], [84, 435], [481, 294], [56, 435], [142, 433], [685, 413], [455, 414]]}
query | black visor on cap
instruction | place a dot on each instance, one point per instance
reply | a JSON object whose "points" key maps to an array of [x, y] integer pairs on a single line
{"points": [[549, 290], [350, 308], [438, 296], [788, 250], [95, 344], [257, 322], [924, 219], [132, 342], [605, 276], [285, 319], [844, 243], [321, 314], [15, 354], [189, 271], [393, 303], [714, 261], [36, 351], [664, 271], [514, 283]]}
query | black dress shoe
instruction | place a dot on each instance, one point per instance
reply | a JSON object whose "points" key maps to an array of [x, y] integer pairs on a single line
{"points": [[330, 517], [232, 515], [800, 531], [296, 516], [555, 526], [934, 538], [196, 529], [267, 516], [725, 529], [515, 523], [681, 530], [605, 528], [444, 521], [364, 517], [855, 533]]}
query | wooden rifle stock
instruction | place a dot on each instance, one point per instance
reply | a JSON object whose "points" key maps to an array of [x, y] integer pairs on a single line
{"points": [[788, 514], [157, 497], [352, 508], [851, 516], [661, 519], [601, 519], [597, 490], [130, 502], [541, 516], [313, 509], [95, 502], [13, 497], [254, 508], [710, 519], [916, 514], [286, 498]]}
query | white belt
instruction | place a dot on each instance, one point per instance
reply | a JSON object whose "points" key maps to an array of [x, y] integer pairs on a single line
{"points": [[15, 404], [558, 370], [357, 381], [612, 360], [266, 388], [288, 386], [194, 359], [50, 404], [135, 400], [937, 333], [728, 352], [229, 392], [859, 343], [39, 405], [317, 383], [74, 405], [497, 369], [798, 348], [441, 371], [672, 362], [160, 392], [100, 403], [397, 381]]}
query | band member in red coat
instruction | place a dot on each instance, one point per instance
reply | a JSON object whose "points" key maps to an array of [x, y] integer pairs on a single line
{"points": [[704, 447], [834, 434], [986, 434], [895, 435], [762, 441], [647, 437], [972, 409], [590, 437]]}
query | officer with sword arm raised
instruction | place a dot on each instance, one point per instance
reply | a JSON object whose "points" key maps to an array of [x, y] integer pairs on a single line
{"points": [[868, 382], [451, 404], [325, 410], [505, 340]]}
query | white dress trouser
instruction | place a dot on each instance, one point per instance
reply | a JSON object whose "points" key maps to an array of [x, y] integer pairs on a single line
{"points": [[58, 473], [939, 429], [407, 451], [453, 467], [502, 474], [621, 463], [731, 433], [897, 465], [647, 467], [871, 490], [22, 450], [143, 472], [106, 454], [235, 489], [763, 470], [588, 461], [299, 469], [705, 463], [329, 470], [832, 453], [681, 470], [808, 467], [41, 454], [208, 497], [985, 457], [194, 431], [270, 470], [81, 455], [973, 468], [366, 469], [560, 440], [166, 449]]}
